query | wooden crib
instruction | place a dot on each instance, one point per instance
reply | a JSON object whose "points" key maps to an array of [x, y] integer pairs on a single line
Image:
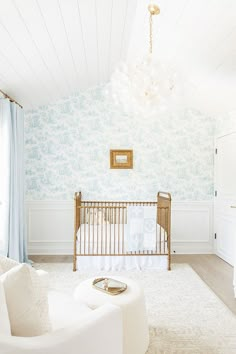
{"points": [[102, 228]]}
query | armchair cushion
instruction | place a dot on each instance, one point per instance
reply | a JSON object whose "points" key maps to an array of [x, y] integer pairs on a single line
{"points": [[64, 311], [4, 318], [26, 301]]}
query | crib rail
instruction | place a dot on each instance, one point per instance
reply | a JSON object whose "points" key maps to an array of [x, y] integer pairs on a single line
{"points": [[101, 228]]}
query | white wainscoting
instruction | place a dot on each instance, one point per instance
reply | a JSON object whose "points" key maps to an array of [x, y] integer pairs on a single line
{"points": [[50, 227], [192, 227]]}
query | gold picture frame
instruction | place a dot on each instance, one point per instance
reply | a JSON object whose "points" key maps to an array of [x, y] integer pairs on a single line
{"points": [[121, 159]]}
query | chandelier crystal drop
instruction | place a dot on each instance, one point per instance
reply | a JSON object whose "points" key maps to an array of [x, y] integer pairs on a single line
{"points": [[145, 84]]}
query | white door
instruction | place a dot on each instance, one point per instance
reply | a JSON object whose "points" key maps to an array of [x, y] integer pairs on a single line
{"points": [[225, 197]]}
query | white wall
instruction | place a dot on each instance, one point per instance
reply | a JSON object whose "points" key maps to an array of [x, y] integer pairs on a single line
{"points": [[225, 123], [50, 227]]}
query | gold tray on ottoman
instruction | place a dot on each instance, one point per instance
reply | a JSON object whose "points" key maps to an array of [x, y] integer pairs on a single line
{"points": [[109, 285]]}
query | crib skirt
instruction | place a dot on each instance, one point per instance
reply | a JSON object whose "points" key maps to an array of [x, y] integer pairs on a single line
{"points": [[120, 263]]}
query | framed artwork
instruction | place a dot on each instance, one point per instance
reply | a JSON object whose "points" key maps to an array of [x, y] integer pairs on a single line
{"points": [[121, 158]]}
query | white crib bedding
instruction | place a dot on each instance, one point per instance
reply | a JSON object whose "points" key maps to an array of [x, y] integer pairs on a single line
{"points": [[116, 238]]}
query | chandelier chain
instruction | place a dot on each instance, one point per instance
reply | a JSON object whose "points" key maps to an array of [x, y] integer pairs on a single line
{"points": [[150, 34]]}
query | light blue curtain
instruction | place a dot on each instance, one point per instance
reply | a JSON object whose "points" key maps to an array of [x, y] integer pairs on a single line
{"points": [[12, 181]]}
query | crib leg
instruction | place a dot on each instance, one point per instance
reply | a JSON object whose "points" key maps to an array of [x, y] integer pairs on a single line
{"points": [[169, 261], [169, 265], [74, 264]]}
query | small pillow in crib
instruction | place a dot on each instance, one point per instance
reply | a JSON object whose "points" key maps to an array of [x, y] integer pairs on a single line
{"points": [[101, 218], [92, 217], [96, 217]]}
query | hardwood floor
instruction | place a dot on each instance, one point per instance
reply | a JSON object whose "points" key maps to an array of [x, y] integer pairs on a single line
{"points": [[216, 273], [51, 259]]}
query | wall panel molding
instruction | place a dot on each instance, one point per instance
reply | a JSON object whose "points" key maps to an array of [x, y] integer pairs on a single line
{"points": [[50, 227]]}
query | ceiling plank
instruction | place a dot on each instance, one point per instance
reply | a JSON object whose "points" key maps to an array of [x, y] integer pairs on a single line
{"points": [[88, 24], [36, 27], [131, 8], [72, 23], [17, 47], [104, 11], [56, 32], [119, 13]]}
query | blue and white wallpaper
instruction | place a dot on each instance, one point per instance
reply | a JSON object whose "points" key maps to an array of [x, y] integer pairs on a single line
{"points": [[68, 144]]}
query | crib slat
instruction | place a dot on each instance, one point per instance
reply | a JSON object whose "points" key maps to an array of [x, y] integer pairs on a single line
{"points": [[93, 228], [160, 223], [106, 227], [156, 228], [110, 227], [123, 232], [101, 235], [80, 211], [97, 226], [114, 221], [87, 223], [119, 230]]}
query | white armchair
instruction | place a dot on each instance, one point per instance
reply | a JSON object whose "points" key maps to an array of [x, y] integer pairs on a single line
{"points": [[76, 329], [98, 332]]}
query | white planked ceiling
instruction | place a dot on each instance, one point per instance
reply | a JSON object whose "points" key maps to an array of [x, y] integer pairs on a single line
{"points": [[52, 48]]}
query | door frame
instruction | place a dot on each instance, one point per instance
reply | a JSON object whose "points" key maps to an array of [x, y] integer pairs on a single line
{"points": [[215, 186]]}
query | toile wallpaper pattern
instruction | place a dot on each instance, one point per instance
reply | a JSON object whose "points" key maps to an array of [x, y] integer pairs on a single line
{"points": [[67, 149]]}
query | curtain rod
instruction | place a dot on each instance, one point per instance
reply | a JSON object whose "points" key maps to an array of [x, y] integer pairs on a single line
{"points": [[11, 99]]}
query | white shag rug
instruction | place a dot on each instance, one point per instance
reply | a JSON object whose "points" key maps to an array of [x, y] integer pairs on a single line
{"points": [[185, 316]]}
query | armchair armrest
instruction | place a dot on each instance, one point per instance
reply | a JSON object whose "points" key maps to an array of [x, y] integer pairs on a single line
{"points": [[99, 333]]}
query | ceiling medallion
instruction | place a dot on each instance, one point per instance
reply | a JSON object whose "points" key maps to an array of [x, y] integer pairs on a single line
{"points": [[153, 9]]}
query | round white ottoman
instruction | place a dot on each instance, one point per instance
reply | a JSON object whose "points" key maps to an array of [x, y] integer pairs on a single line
{"points": [[132, 304]]}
